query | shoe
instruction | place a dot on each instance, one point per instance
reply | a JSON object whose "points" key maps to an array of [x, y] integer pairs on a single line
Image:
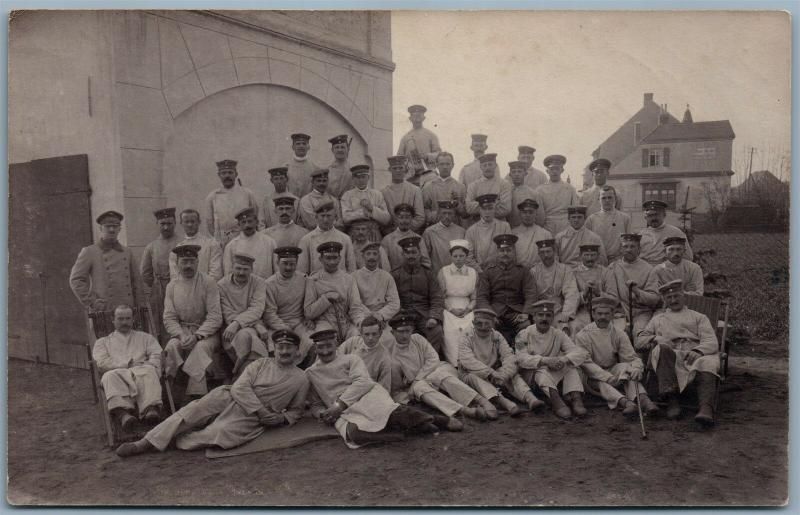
{"points": [[509, 405], [359, 437], [454, 425], [576, 399], [673, 408], [648, 406], [151, 415], [476, 413], [533, 403], [706, 389], [488, 408], [126, 420], [133, 448], [559, 408], [629, 408]]}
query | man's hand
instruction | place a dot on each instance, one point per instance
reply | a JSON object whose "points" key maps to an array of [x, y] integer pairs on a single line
{"points": [[263, 334], [230, 331], [332, 296], [309, 324], [188, 342], [691, 357], [331, 415], [272, 419], [495, 378], [636, 374], [99, 305], [554, 364], [613, 381], [366, 204], [431, 323], [521, 318]]}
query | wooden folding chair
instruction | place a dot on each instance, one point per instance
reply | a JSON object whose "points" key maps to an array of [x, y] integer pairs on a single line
{"points": [[717, 311]]}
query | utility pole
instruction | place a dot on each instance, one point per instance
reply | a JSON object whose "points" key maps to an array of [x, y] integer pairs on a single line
{"points": [[749, 171]]}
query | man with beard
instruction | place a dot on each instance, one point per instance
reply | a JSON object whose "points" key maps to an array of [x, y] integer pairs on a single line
{"points": [[285, 232], [591, 197], [362, 202], [210, 256], [420, 146], [222, 204], [443, 188], [556, 196], [401, 192], [609, 223], [130, 366], [339, 169], [325, 232], [155, 266], [528, 233], [300, 167], [569, 240], [318, 196], [369, 347], [519, 191], [279, 179], [489, 183], [556, 282], [271, 392], [438, 236], [653, 236], [252, 242], [677, 267], [534, 177], [471, 172], [375, 286]]}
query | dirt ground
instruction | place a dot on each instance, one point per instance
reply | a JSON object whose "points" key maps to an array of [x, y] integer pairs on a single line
{"points": [[57, 456]]}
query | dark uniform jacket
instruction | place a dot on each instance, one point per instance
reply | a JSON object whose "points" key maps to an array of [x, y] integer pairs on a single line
{"points": [[419, 292], [105, 276], [502, 288]]}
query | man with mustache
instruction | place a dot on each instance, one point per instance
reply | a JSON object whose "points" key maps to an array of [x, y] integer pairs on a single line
{"points": [[155, 265], [316, 197], [339, 170], [590, 277], [677, 266], [252, 242], [556, 282], [569, 240], [556, 195], [534, 177], [402, 192], [364, 203], [489, 184], [210, 256], [222, 204], [300, 167], [471, 171], [280, 179], [404, 216], [652, 243], [528, 233], [285, 232], [609, 223], [438, 236], [443, 188], [360, 233], [591, 197], [309, 260], [376, 286]]}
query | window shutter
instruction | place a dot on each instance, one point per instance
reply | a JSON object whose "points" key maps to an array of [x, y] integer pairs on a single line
{"points": [[645, 156], [665, 157]]}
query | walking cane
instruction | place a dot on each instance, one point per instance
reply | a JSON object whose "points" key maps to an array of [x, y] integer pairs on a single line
{"points": [[589, 296], [630, 335]]}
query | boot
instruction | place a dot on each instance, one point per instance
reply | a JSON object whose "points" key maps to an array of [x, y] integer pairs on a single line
{"points": [[510, 406], [673, 407], [360, 437], [532, 402], [576, 399], [706, 390], [133, 448], [125, 419], [557, 403], [488, 407], [151, 415], [474, 412], [448, 423], [648, 406], [628, 407]]}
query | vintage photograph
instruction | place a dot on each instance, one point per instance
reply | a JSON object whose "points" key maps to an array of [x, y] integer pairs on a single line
{"points": [[398, 258]]}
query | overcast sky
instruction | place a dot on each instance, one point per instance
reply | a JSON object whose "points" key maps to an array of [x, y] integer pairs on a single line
{"points": [[564, 81]]}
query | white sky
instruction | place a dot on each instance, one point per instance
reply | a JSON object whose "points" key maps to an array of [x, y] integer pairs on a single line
{"points": [[564, 81]]}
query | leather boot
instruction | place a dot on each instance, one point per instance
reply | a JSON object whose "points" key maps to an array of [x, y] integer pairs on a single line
{"points": [[673, 407], [488, 407], [360, 437], [532, 402], [125, 419], [648, 406], [628, 407], [510, 406], [557, 403], [448, 423], [151, 415], [706, 390], [576, 399]]}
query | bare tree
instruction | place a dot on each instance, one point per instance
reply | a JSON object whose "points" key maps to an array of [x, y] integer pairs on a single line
{"points": [[717, 196]]}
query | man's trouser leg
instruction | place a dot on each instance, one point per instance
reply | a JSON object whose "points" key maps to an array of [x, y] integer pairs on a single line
{"points": [[706, 391], [148, 387], [665, 370], [194, 365], [244, 348], [445, 377], [571, 381], [120, 389], [509, 327], [434, 335], [196, 414], [486, 389], [423, 391]]}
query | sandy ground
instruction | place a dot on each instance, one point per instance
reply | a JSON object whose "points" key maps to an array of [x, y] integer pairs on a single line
{"points": [[57, 456]]}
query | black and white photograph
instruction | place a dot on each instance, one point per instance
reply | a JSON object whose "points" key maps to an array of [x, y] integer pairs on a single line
{"points": [[398, 258]]}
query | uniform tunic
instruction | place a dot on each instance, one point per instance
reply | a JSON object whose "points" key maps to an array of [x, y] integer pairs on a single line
{"points": [[470, 172], [419, 292], [344, 314], [652, 245], [352, 209], [527, 251], [555, 198], [503, 288], [536, 178], [340, 178], [437, 240], [583, 275], [288, 235], [619, 272], [309, 262], [395, 253], [591, 199], [556, 283], [568, 243], [245, 305], [209, 259], [156, 276], [424, 142], [221, 206], [259, 245], [308, 206], [609, 225], [518, 194], [105, 276], [377, 359], [267, 213], [378, 292], [299, 175], [439, 189], [131, 386], [480, 236], [687, 271], [283, 309], [532, 346], [233, 410], [478, 357], [405, 193], [483, 186]]}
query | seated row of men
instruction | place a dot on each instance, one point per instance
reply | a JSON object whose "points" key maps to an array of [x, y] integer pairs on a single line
{"points": [[363, 386]]}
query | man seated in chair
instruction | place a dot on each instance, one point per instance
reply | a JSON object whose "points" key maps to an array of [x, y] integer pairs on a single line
{"points": [[271, 392], [683, 349], [192, 317], [130, 364]]}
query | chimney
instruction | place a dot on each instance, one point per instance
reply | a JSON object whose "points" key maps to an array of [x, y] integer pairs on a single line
{"points": [[687, 115], [637, 132], [648, 97], [663, 118]]}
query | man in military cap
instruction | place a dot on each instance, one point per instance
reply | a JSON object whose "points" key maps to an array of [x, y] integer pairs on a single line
{"points": [[652, 244], [285, 301], [547, 357], [438, 236], [222, 204], [556, 282], [481, 234], [368, 345], [683, 349], [569, 240], [300, 166], [611, 362], [279, 178], [360, 233], [271, 392], [631, 275], [487, 363], [192, 316], [590, 277], [106, 274], [242, 299], [340, 177], [489, 183], [363, 202], [609, 223], [316, 197], [250, 241], [471, 172], [528, 233], [401, 191], [507, 288], [404, 215], [677, 266], [556, 195], [376, 286], [519, 191], [591, 196], [332, 294], [285, 232], [210, 256], [534, 177], [443, 188], [419, 292], [325, 232], [419, 145], [155, 266]]}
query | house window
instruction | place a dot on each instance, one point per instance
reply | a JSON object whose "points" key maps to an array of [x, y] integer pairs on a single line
{"points": [[706, 153], [657, 157], [654, 157], [665, 192]]}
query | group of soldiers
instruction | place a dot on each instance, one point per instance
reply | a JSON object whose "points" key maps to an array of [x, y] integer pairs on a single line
{"points": [[469, 296]]}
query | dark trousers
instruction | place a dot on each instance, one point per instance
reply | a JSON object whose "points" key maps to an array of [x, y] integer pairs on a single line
{"points": [[435, 335], [508, 327]]}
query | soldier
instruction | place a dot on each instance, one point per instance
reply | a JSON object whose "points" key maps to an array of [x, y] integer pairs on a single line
{"points": [[677, 267], [547, 357], [471, 172], [443, 188], [316, 197], [569, 240], [419, 145], [683, 349], [438, 236], [420, 179], [635, 275], [556, 282], [363, 202], [360, 233], [339, 169], [252, 242], [490, 182], [481, 234], [300, 167], [652, 243], [404, 215], [556, 196], [279, 179], [507, 288], [309, 259], [155, 266], [590, 277], [519, 191], [376, 286], [528, 233], [401, 191], [222, 204], [210, 256], [285, 232], [105, 274], [591, 197], [609, 223], [370, 348], [535, 177]]}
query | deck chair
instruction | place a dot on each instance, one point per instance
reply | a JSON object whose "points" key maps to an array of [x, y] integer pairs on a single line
{"points": [[101, 324], [717, 311]]}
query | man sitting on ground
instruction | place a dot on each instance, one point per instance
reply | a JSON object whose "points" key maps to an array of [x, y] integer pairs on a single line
{"points": [[369, 347]]}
